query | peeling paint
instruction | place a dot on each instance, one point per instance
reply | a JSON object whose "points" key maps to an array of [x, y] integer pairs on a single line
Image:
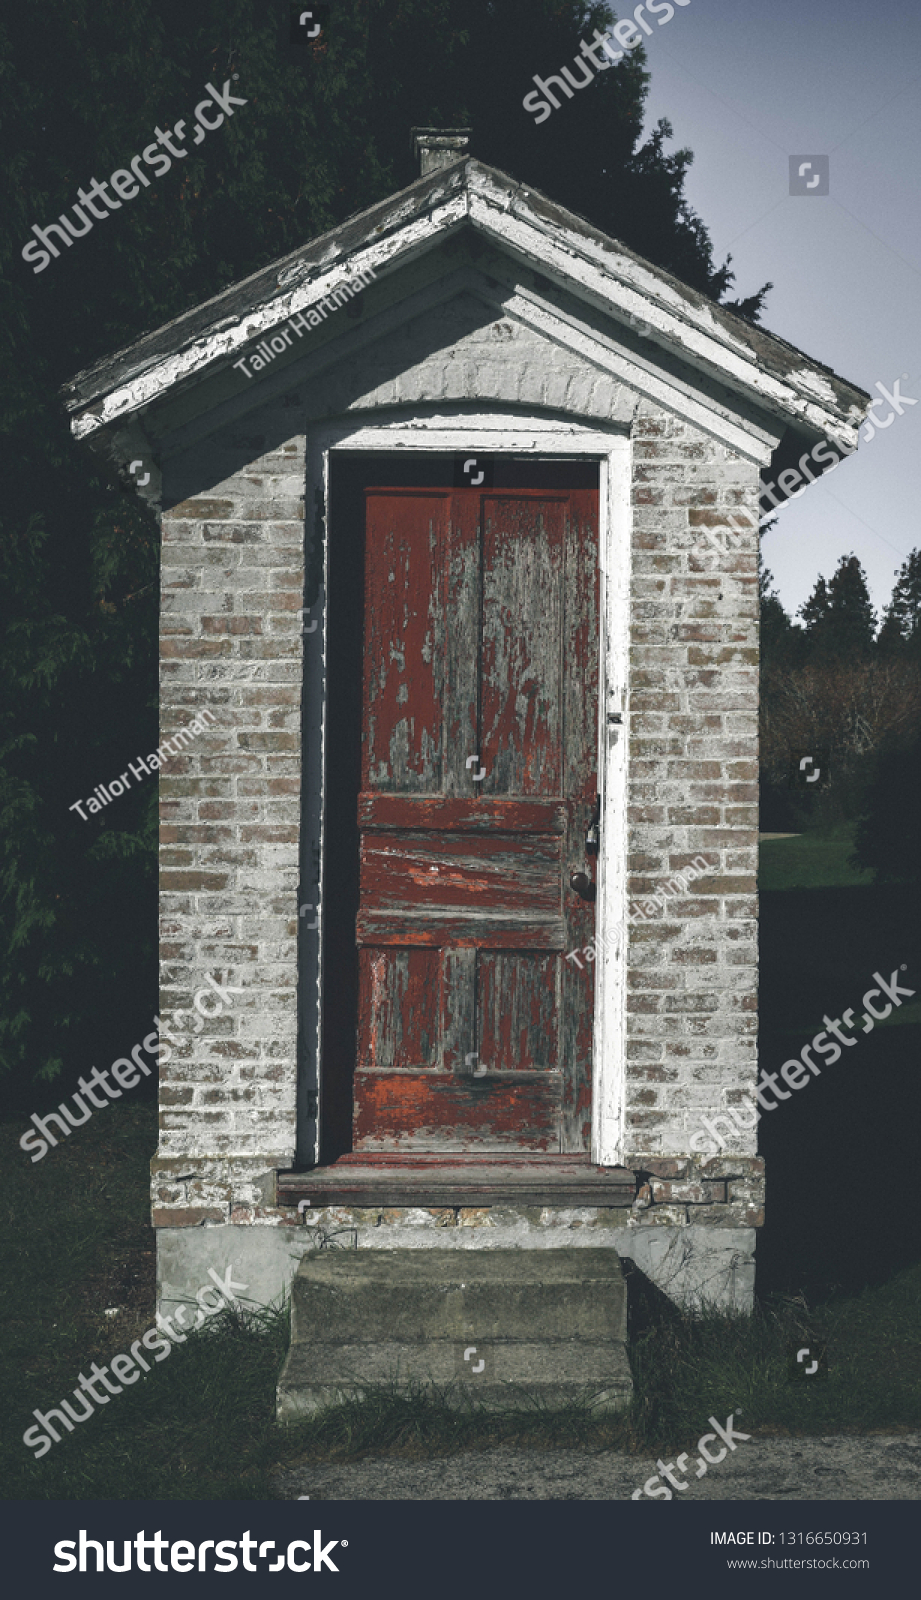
{"points": [[570, 252]]}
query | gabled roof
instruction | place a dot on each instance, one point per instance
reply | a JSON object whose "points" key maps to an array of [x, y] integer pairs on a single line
{"points": [[761, 369]]}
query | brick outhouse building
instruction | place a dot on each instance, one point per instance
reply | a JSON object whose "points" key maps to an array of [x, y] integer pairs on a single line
{"points": [[460, 548]]}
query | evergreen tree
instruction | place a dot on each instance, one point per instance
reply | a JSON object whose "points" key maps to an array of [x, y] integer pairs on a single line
{"points": [[839, 616], [780, 636], [888, 838], [325, 131], [814, 611], [900, 633]]}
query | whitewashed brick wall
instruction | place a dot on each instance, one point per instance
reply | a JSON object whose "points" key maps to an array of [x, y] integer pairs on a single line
{"points": [[232, 584], [693, 790]]}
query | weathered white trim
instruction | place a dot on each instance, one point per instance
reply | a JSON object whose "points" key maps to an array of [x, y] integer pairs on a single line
{"points": [[501, 432], [743, 435], [609, 1083], [228, 337], [753, 442], [330, 354], [706, 349], [583, 263], [439, 430], [323, 478], [646, 299]]}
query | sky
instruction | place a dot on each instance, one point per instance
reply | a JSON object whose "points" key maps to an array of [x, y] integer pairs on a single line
{"points": [[746, 84]]}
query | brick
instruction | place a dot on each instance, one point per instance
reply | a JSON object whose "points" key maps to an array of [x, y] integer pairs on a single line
{"points": [[186, 1216], [231, 625], [666, 1191], [233, 561], [728, 1216], [189, 881], [193, 650]]}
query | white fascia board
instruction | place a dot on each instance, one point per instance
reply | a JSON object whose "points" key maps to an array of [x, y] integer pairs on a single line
{"points": [[310, 362], [750, 441], [583, 265], [231, 337], [508, 298], [609, 1054], [616, 284]]}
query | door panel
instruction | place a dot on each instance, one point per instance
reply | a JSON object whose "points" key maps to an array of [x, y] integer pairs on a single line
{"points": [[413, 874], [503, 1112], [517, 1002], [480, 645], [400, 1024], [403, 744], [522, 645]]}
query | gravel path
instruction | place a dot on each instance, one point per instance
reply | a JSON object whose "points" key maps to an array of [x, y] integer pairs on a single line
{"points": [[842, 1467]]}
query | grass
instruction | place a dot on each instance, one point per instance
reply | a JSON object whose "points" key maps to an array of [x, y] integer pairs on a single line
{"points": [[814, 860], [78, 1244], [907, 1016], [201, 1426], [827, 1147], [691, 1366]]}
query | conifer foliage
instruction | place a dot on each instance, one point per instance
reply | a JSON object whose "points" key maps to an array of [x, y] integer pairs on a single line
{"points": [[900, 635], [324, 133], [839, 617], [839, 685]]}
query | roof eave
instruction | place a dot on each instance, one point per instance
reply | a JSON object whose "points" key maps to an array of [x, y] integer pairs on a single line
{"points": [[748, 359]]}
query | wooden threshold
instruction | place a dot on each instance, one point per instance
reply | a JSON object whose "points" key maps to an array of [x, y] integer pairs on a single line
{"points": [[394, 1180]]}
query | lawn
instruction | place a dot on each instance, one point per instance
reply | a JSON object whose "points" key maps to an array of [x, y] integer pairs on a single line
{"points": [[77, 1286], [837, 1261], [822, 939], [810, 861], [201, 1425]]}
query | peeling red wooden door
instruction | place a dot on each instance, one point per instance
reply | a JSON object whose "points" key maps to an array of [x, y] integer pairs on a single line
{"points": [[481, 640]]}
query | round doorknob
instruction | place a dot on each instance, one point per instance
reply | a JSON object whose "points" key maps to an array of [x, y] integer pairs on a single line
{"points": [[582, 883]]}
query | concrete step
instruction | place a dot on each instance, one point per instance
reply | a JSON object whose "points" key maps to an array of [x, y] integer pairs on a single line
{"points": [[497, 1327]]}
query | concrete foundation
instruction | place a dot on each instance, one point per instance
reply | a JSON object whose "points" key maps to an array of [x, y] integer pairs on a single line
{"points": [[691, 1264]]}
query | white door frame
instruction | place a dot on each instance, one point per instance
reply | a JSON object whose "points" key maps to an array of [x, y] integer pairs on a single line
{"points": [[511, 433]]}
